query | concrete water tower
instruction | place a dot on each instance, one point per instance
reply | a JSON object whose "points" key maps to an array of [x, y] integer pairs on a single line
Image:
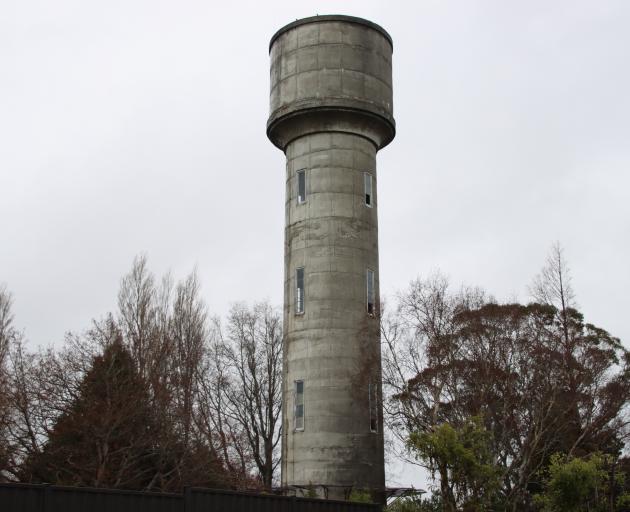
{"points": [[331, 111]]}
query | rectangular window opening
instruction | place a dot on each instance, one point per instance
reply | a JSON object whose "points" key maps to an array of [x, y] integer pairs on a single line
{"points": [[299, 290], [373, 399], [367, 184], [301, 185], [299, 405], [370, 292]]}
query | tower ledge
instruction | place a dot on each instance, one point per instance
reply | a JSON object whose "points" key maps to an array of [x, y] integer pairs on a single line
{"points": [[283, 128]]}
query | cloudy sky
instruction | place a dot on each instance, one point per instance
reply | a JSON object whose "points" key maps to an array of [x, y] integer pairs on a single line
{"points": [[139, 126]]}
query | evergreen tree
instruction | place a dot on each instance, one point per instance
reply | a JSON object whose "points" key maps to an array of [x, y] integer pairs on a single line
{"points": [[106, 437]]}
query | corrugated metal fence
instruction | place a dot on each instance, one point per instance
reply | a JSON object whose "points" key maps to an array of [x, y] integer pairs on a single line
{"points": [[51, 498]]}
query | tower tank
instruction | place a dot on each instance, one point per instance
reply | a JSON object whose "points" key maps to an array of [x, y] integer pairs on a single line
{"points": [[330, 112]]}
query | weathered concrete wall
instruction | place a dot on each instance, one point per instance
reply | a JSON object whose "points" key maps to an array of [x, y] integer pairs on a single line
{"points": [[331, 110], [329, 63]]}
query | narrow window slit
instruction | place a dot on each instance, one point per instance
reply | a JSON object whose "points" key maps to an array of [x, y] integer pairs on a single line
{"points": [[299, 290], [299, 405], [367, 185], [370, 292], [301, 185]]}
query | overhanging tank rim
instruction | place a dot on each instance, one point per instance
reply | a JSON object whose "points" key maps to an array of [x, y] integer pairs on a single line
{"points": [[331, 17]]}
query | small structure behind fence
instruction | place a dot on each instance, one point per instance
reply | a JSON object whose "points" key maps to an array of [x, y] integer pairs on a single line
{"points": [[52, 498]]}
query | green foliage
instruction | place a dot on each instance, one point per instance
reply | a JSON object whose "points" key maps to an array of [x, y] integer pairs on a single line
{"points": [[463, 458], [416, 504], [572, 485], [310, 493], [360, 496], [582, 485]]}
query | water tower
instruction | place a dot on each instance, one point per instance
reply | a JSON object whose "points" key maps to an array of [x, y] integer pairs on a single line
{"points": [[331, 111]]}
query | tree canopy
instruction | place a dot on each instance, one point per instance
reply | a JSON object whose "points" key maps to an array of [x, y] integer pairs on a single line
{"points": [[155, 396], [535, 379], [107, 437]]}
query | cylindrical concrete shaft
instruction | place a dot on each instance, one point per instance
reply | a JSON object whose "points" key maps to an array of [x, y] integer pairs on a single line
{"points": [[331, 110]]}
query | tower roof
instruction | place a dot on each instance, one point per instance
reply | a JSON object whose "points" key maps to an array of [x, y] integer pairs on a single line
{"points": [[331, 17]]}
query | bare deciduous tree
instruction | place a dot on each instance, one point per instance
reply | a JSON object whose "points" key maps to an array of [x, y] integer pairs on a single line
{"points": [[229, 437], [251, 383], [138, 314], [6, 320], [165, 328], [6, 337], [552, 286], [417, 335]]}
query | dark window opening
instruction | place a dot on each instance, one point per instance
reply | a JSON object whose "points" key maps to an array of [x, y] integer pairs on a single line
{"points": [[367, 185], [299, 405], [301, 184]]}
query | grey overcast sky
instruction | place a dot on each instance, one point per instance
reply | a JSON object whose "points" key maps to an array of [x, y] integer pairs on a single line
{"points": [[139, 126]]}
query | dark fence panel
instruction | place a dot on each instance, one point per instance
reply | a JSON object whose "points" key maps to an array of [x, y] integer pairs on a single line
{"points": [[25, 498], [315, 505], [50, 498], [108, 500], [210, 500]]}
